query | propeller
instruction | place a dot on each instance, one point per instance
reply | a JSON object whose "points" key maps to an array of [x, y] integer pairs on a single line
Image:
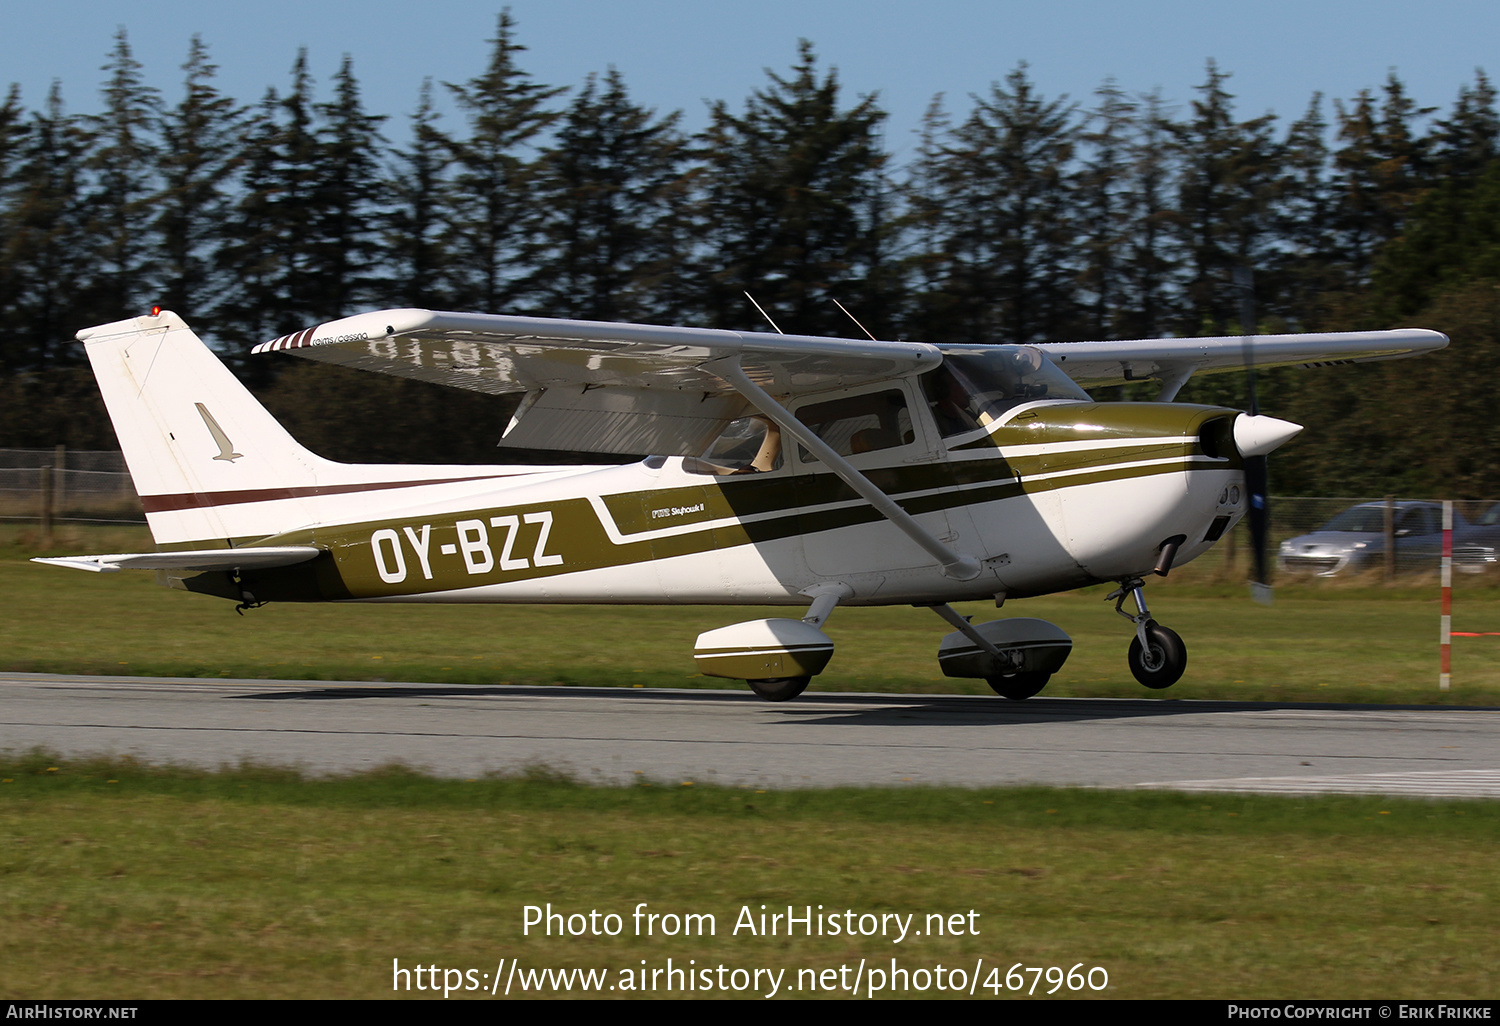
{"points": [[1256, 442]]}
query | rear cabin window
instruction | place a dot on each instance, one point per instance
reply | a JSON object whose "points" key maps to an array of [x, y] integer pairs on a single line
{"points": [[859, 423]]}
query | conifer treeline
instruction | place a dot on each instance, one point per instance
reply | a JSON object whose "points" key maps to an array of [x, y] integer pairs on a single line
{"points": [[1022, 218]]}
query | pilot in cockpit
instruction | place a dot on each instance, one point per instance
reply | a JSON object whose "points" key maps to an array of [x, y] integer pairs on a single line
{"points": [[951, 404], [749, 445]]}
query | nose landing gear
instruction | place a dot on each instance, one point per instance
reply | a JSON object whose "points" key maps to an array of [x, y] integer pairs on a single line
{"points": [[1157, 655]]}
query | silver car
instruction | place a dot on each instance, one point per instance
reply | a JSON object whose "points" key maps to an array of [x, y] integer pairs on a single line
{"points": [[1354, 541]]}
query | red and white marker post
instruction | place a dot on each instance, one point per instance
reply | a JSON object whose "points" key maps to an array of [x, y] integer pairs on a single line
{"points": [[1445, 635]]}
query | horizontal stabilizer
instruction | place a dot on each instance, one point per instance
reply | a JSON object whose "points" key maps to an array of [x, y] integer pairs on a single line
{"points": [[198, 560]]}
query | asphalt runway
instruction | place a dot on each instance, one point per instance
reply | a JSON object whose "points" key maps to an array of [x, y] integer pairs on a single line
{"points": [[609, 735]]}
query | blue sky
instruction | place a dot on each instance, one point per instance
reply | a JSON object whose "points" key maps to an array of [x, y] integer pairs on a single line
{"points": [[675, 54]]}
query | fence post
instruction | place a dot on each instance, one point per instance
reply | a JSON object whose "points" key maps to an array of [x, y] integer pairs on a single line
{"points": [[59, 479], [1390, 538], [46, 482], [1446, 629]]}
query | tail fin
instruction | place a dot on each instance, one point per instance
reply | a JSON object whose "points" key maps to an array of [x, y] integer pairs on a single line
{"points": [[207, 459]]}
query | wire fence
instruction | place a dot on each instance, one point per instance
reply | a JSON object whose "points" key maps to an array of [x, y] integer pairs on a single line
{"points": [[62, 485]]}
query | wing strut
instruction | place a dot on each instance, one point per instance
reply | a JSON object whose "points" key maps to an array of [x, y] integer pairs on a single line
{"points": [[1172, 380], [956, 565]]}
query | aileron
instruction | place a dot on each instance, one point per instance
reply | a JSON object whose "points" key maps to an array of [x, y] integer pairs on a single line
{"points": [[1093, 364]]}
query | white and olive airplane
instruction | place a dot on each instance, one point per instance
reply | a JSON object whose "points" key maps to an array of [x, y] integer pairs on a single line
{"points": [[791, 470]]}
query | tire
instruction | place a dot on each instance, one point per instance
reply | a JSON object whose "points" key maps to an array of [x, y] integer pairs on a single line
{"points": [[1168, 658], [1018, 686], [779, 689]]}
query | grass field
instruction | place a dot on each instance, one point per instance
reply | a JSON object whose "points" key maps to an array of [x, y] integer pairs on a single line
{"points": [[124, 881], [121, 881], [1324, 641]]}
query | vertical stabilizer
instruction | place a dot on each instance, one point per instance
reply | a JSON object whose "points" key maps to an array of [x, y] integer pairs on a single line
{"points": [[207, 459]]}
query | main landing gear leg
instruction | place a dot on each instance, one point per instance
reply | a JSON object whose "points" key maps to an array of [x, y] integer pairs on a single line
{"points": [[1157, 655]]}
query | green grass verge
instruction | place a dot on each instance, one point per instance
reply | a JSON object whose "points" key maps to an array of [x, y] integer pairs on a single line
{"points": [[125, 881], [1344, 641]]}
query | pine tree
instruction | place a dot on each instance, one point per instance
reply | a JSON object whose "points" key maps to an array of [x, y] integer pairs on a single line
{"points": [[294, 201], [1226, 192], [1100, 205], [1356, 177], [1466, 143], [270, 251], [928, 202], [1380, 170], [1451, 239], [347, 193], [998, 225], [1149, 258], [253, 307], [50, 253], [13, 138], [198, 157], [612, 190], [787, 203], [1306, 264], [412, 249], [491, 210], [123, 172]]}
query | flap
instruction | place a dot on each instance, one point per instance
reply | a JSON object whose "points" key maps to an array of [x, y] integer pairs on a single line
{"points": [[628, 421]]}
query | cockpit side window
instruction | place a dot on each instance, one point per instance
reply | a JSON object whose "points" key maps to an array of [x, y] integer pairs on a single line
{"points": [[951, 401], [749, 445]]}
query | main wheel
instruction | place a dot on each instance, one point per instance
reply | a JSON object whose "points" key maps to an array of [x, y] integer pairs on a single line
{"points": [[1018, 686], [1162, 666], [779, 689]]}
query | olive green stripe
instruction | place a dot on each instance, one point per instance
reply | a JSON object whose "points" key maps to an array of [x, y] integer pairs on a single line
{"points": [[798, 504], [632, 512], [577, 535]]}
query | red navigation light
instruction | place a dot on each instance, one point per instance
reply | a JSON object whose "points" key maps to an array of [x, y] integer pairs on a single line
{"points": [[156, 311]]}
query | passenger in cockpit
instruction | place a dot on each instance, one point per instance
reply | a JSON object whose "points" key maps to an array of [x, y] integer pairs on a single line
{"points": [[952, 406]]}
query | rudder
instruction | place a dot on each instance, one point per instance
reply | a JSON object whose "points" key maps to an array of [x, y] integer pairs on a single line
{"points": [[196, 441]]}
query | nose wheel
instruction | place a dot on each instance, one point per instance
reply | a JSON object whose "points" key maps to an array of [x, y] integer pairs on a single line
{"points": [[1157, 655], [1160, 661]]}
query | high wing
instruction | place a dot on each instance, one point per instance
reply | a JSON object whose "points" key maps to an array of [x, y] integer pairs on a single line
{"points": [[601, 386], [1173, 360], [605, 386]]}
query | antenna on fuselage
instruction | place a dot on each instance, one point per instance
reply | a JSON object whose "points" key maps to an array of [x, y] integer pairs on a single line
{"points": [[849, 315], [764, 314]]}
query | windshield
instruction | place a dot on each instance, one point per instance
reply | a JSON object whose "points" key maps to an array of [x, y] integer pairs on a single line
{"points": [[976, 386]]}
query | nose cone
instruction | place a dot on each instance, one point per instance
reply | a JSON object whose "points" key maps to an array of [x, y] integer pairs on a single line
{"points": [[1256, 436]]}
